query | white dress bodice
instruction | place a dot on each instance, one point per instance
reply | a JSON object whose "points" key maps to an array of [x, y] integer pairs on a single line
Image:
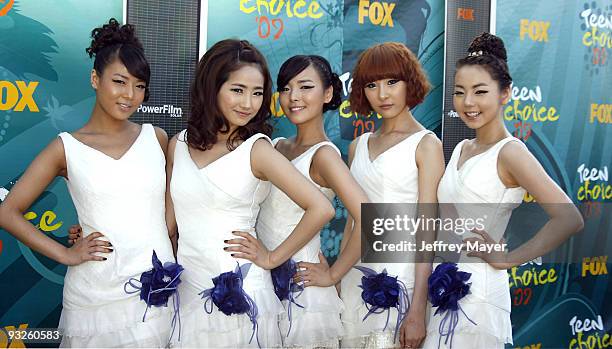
{"points": [[124, 200], [317, 322], [476, 191], [279, 214], [209, 204], [390, 178]]}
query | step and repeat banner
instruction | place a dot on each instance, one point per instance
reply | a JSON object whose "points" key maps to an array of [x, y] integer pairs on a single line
{"points": [[558, 55], [561, 109], [44, 90], [339, 31]]}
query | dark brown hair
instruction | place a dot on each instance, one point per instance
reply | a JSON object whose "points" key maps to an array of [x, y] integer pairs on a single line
{"points": [[213, 70], [115, 41], [389, 60], [489, 52], [297, 64]]}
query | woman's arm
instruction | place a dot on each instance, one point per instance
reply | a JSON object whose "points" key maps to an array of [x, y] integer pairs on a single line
{"points": [[170, 218], [50, 163], [518, 167], [430, 164], [346, 234], [339, 178], [269, 164], [348, 226]]}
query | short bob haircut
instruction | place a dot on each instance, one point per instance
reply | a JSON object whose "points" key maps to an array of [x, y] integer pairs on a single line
{"points": [[389, 60], [213, 70]]}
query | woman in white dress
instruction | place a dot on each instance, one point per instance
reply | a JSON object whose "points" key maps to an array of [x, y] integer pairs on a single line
{"points": [[219, 171], [115, 172], [308, 88], [492, 170], [401, 162]]}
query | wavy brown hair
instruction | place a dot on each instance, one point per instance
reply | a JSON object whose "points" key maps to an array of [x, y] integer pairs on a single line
{"points": [[389, 60], [213, 70]]}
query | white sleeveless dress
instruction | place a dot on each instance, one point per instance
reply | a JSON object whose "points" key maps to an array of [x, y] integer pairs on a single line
{"points": [[318, 323], [209, 204], [488, 304], [123, 199], [390, 178]]}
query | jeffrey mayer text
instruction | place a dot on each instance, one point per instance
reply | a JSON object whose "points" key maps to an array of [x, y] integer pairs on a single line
{"points": [[439, 246]]}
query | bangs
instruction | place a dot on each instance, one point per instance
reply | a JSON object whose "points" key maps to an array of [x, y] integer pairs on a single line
{"points": [[390, 60], [135, 62], [292, 67], [381, 62]]}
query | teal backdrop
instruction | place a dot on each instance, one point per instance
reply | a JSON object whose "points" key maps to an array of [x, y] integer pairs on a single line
{"points": [[338, 32], [556, 64], [45, 89], [561, 108]]}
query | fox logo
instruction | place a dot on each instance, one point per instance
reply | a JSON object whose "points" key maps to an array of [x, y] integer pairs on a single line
{"points": [[18, 96], [379, 13]]}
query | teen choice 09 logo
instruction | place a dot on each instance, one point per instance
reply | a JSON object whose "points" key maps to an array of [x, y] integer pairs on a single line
{"points": [[596, 24]]}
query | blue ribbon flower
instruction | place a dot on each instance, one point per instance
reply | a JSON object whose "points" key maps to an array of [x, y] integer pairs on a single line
{"points": [[229, 296], [285, 287], [157, 285], [382, 292], [447, 285]]}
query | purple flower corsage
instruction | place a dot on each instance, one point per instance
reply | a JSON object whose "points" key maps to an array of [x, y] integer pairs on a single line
{"points": [[229, 297], [285, 287], [382, 292], [157, 285], [447, 285]]}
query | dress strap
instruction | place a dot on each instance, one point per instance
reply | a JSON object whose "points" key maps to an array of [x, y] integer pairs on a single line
{"points": [[419, 135], [310, 153], [319, 145], [409, 146], [456, 154], [362, 146], [242, 154], [363, 139], [150, 139], [494, 153], [248, 143], [305, 162], [71, 150], [148, 128], [180, 149], [413, 141], [68, 141], [276, 140], [182, 136]]}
